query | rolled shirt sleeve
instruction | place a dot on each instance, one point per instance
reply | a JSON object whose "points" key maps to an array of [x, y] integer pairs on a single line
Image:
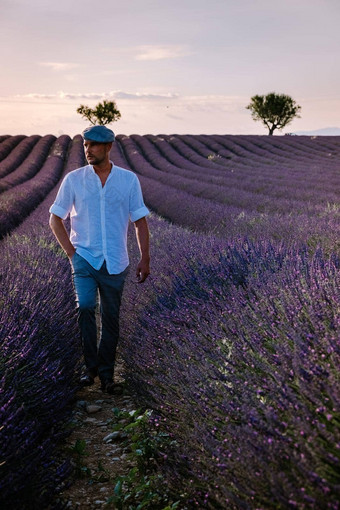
{"points": [[138, 209], [64, 200]]}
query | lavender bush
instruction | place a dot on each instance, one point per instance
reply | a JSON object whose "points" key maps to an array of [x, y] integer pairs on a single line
{"points": [[39, 358], [238, 351], [263, 198], [20, 201], [31, 164], [18, 155], [275, 171], [233, 341], [8, 144]]}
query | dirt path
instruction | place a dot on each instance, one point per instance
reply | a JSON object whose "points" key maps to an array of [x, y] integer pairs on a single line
{"points": [[100, 459]]}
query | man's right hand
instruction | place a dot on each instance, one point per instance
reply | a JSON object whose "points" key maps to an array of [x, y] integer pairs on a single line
{"points": [[59, 230]]}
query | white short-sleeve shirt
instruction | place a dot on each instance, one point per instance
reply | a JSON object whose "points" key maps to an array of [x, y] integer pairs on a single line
{"points": [[100, 215]]}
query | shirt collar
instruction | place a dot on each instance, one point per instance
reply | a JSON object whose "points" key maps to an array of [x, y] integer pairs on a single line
{"points": [[111, 171]]}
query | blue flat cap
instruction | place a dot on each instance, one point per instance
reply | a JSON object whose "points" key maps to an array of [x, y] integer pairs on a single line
{"points": [[99, 134]]}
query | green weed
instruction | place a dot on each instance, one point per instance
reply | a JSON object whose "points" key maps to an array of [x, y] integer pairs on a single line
{"points": [[143, 486]]}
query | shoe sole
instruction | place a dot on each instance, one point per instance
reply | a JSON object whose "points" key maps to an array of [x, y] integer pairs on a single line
{"points": [[113, 388], [87, 382]]}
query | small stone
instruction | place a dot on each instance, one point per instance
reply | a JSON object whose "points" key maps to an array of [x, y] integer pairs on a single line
{"points": [[92, 408], [124, 422], [81, 403], [111, 436], [91, 420], [115, 447]]}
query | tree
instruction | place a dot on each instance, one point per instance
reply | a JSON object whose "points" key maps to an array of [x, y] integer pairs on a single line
{"points": [[103, 113], [274, 110]]}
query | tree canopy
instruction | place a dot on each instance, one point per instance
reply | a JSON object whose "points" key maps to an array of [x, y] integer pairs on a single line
{"points": [[274, 110], [103, 113]]}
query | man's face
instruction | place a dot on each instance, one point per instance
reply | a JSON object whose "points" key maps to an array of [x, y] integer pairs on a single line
{"points": [[96, 152]]}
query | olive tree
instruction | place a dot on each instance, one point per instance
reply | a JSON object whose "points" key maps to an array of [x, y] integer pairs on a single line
{"points": [[274, 110], [103, 113]]}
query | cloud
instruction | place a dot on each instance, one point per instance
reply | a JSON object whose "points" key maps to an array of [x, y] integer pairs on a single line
{"points": [[113, 95], [32, 96], [90, 96], [59, 66], [173, 104], [328, 131], [220, 104], [151, 52], [57, 96], [141, 95]]}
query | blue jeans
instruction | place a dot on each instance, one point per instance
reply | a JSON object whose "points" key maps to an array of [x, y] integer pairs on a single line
{"points": [[99, 357]]}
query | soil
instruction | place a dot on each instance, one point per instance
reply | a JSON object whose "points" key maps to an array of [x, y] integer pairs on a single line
{"points": [[101, 461]]}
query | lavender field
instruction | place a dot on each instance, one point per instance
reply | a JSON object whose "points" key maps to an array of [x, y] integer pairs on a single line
{"points": [[234, 340]]}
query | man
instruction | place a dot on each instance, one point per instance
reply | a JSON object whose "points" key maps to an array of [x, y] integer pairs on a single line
{"points": [[100, 198]]}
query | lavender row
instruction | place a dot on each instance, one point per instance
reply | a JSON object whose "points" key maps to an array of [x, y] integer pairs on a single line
{"points": [[75, 158], [232, 222], [142, 166], [262, 149], [300, 149], [30, 166], [40, 356], [304, 169], [251, 189], [8, 145], [321, 146], [117, 155], [196, 188], [269, 168], [176, 152], [17, 203], [182, 208], [320, 226], [18, 155], [164, 157], [239, 355], [188, 161], [240, 170], [234, 166]]}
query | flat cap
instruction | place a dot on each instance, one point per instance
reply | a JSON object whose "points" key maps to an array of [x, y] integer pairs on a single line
{"points": [[100, 134]]}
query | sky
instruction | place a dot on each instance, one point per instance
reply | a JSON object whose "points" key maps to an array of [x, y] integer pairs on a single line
{"points": [[171, 66]]}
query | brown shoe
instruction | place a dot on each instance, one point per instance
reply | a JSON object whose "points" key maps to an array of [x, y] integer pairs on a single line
{"points": [[108, 386], [86, 380]]}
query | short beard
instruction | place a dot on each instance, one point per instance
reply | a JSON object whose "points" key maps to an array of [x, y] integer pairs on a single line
{"points": [[96, 161]]}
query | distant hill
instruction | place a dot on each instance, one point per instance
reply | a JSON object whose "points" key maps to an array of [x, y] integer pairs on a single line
{"points": [[329, 131]]}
